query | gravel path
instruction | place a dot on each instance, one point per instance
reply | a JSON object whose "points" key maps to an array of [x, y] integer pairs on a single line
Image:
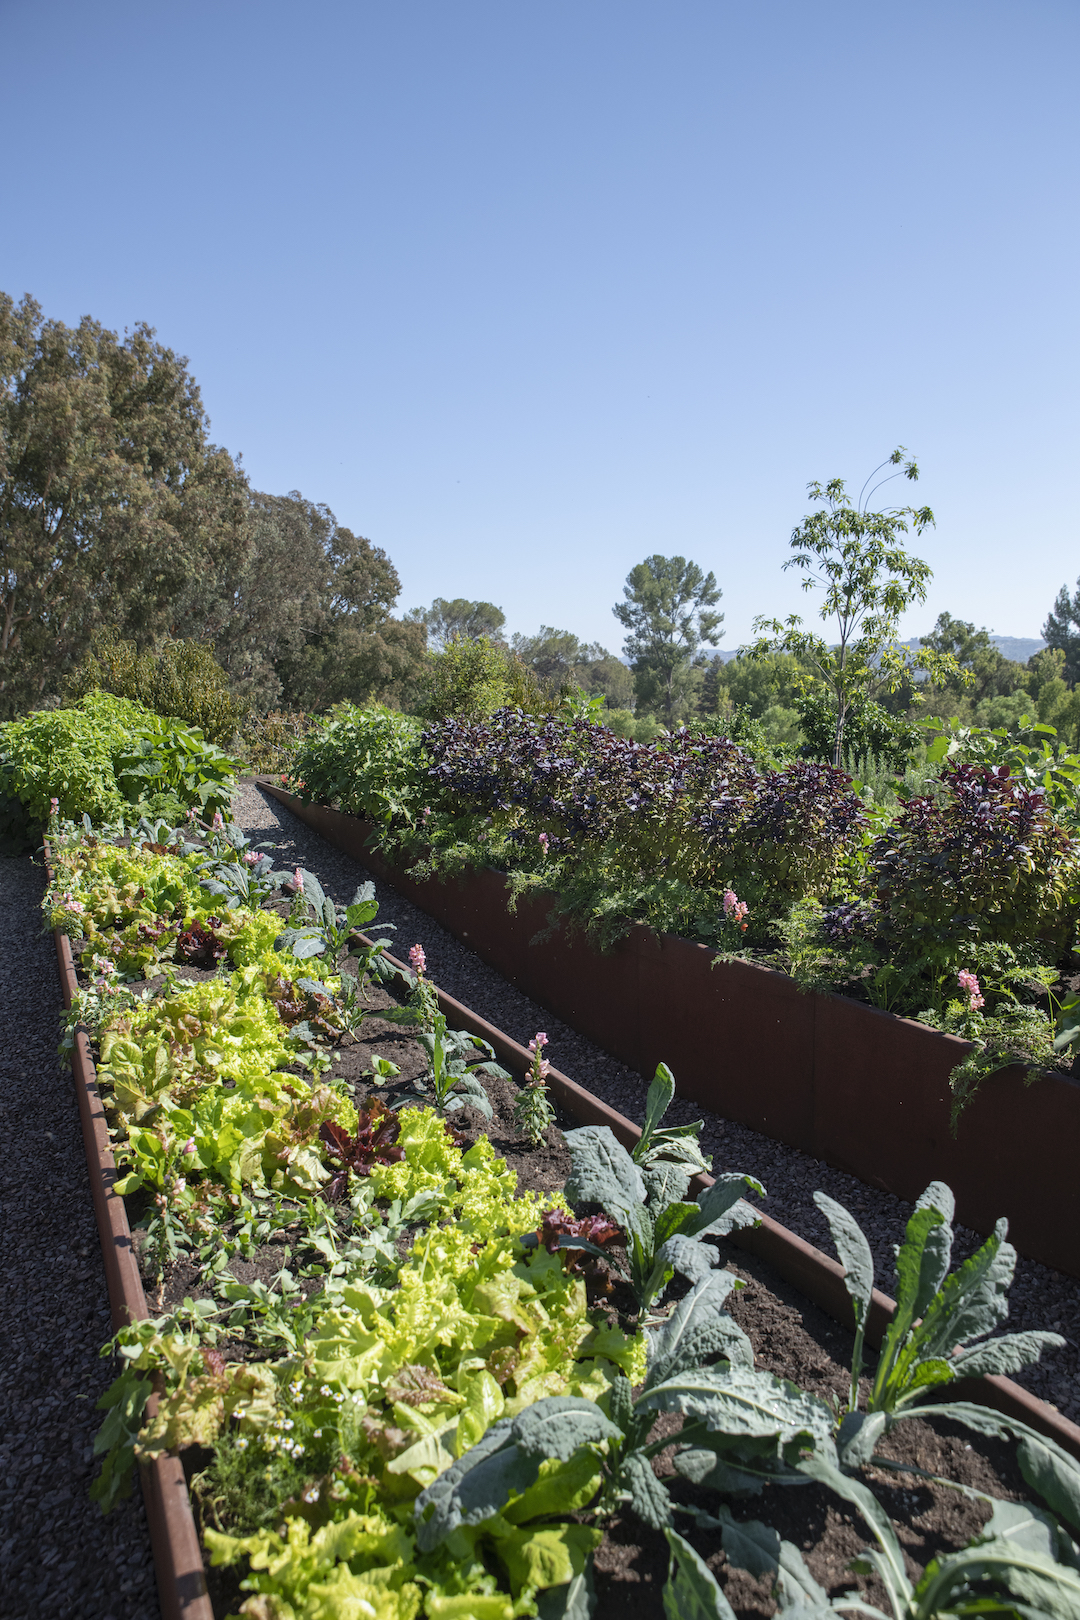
{"points": [[1040, 1297], [58, 1556]]}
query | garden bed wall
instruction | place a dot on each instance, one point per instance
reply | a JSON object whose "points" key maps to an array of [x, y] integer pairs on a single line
{"points": [[862, 1089]]}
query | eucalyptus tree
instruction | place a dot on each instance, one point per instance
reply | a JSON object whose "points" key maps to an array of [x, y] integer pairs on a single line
{"points": [[113, 500]]}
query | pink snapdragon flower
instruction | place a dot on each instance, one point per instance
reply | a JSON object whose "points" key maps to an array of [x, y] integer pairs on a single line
{"points": [[217, 824], [189, 1146], [297, 881], [54, 807], [541, 1068], [735, 910], [417, 960], [544, 842], [969, 984], [69, 903], [251, 858]]}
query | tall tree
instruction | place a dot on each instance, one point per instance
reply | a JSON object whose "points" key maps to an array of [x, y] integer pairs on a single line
{"points": [[444, 620], [857, 559], [1062, 630], [669, 614], [112, 498], [985, 672], [560, 658], [290, 603]]}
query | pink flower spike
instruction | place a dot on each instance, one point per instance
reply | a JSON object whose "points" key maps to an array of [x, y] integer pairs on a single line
{"points": [[544, 841], [54, 807], [417, 959], [217, 822], [298, 881], [969, 984]]}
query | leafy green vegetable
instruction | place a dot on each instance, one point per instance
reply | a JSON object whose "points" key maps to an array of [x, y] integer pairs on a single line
{"points": [[937, 1312], [665, 1234]]}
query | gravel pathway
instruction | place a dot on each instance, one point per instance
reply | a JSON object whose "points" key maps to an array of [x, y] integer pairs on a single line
{"points": [[1040, 1297], [58, 1556]]}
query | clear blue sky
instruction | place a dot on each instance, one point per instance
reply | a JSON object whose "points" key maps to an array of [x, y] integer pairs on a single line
{"points": [[527, 292]]}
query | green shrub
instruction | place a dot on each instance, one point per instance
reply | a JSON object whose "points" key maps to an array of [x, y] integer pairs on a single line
{"points": [[102, 758], [641, 728], [983, 858], [367, 762], [183, 680], [474, 676]]}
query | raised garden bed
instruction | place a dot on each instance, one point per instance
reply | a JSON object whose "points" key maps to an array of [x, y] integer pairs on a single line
{"points": [[862, 1089], [790, 1335]]}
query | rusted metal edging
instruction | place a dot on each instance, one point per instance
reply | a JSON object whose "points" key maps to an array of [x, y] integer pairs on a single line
{"points": [[178, 1562], [808, 1269]]}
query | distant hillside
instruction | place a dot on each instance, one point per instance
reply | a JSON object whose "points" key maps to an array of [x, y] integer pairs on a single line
{"points": [[1018, 648]]}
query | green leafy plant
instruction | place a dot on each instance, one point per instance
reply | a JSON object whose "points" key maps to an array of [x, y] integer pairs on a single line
{"points": [[666, 1151], [664, 1232], [1024, 1563], [451, 1079], [938, 1332]]}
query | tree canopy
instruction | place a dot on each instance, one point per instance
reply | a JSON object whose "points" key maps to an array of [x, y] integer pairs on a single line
{"points": [[446, 621], [113, 501], [118, 514], [559, 658], [855, 556], [669, 615], [1062, 631]]}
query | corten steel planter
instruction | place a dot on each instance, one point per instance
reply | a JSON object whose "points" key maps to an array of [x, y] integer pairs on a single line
{"points": [[177, 1552], [862, 1089], [178, 1562]]}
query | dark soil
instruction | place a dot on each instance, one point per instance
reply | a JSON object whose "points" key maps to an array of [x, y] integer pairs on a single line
{"points": [[790, 1336]]}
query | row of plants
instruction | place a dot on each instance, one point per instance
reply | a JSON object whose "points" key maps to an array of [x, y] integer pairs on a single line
{"points": [[958, 905], [411, 1407], [106, 757]]}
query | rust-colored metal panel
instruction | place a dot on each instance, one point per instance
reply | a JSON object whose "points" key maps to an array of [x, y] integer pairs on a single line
{"points": [[738, 1038], [882, 1098], [1016, 1154]]}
